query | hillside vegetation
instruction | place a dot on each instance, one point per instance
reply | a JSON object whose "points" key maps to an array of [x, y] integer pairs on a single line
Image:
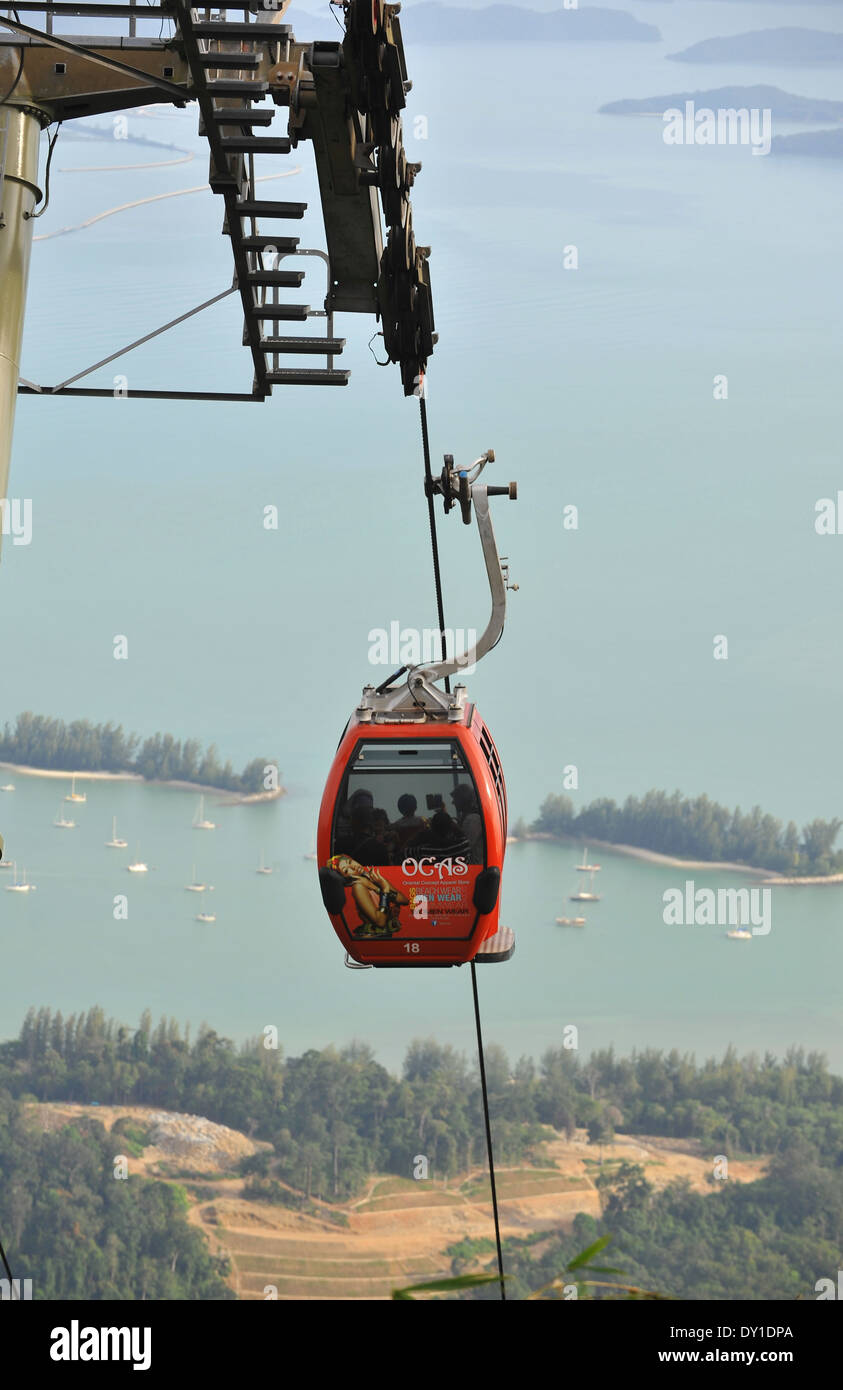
{"points": [[324, 1125]]}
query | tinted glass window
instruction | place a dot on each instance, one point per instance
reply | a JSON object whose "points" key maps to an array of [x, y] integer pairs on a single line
{"points": [[404, 799]]}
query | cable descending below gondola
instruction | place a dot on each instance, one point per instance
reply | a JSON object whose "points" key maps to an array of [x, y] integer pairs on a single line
{"points": [[412, 827]]}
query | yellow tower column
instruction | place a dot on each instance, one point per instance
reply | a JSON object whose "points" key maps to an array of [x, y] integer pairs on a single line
{"points": [[20, 129]]}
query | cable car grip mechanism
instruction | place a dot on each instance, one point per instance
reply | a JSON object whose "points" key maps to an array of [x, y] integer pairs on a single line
{"points": [[419, 698]]}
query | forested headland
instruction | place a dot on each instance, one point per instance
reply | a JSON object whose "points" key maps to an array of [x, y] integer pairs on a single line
{"points": [[698, 828], [334, 1117], [77, 1233], [39, 742]]}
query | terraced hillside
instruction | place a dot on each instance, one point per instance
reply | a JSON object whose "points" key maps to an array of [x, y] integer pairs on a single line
{"points": [[397, 1231]]}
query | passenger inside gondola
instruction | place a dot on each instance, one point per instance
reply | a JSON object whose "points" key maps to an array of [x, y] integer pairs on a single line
{"points": [[470, 822], [379, 845], [353, 821], [408, 823], [442, 839], [394, 803]]}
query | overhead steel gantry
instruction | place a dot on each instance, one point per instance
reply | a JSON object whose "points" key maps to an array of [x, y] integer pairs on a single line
{"points": [[346, 97]]}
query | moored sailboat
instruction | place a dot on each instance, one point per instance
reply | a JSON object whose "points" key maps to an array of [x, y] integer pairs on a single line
{"points": [[199, 821], [195, 886], [115, 842], [20, 885], [73, 794]]}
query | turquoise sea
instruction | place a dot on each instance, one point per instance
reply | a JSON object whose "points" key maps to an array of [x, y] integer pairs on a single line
{"points": [[595, 387]]}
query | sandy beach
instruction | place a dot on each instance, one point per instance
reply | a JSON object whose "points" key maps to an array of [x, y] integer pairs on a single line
{"points": [[66, 776], [650, 856], [232, 798]]}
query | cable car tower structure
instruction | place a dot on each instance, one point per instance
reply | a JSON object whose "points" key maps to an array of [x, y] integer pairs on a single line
{"points": [[247, 72]]}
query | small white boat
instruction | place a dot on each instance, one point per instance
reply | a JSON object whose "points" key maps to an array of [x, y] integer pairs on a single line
{"points": [[62, 823], [73, 794], [739, 932], [138, 867], [262, 868], [20, 885], [9, 787], [205, 917], [195, 886], [571, 921], [585, 867], [312, 854], [114, 842], [581, 896], [199, 822]]}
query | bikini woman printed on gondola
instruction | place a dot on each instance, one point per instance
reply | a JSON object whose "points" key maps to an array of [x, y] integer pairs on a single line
{"points": [[378, 903]]}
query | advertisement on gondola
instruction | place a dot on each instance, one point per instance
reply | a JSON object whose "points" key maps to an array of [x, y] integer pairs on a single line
{"points": [[419, 898]]}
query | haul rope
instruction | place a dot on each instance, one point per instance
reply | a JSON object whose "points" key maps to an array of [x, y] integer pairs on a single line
{"points": [[437, 576]]}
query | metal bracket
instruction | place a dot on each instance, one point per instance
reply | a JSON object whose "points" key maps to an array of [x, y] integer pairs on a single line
{"points": [[355, 965], [461, 485], [326, 313], [419, 698]]}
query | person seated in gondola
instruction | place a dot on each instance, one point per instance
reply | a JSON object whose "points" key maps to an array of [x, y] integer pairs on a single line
{"points": [[380, 845], [408, 823], [442, 839], [357, 804], [469, 819], [378, 903]]}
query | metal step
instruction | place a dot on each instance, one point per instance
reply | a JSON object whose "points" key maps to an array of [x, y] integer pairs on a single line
{"points": [[289, 376], [229, 60], [263, 243], [287, 279], [241, 115], [499, 947], [256, 207], [315, 347], [236, 87], [221, 29], [255, 144], [275, 313]]}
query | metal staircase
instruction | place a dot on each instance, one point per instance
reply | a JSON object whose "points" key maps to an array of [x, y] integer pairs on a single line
{"points": [[343, 97], [211, 44]]}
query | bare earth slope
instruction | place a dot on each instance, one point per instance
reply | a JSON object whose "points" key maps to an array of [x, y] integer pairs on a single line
{"points": [[398, 1230]]}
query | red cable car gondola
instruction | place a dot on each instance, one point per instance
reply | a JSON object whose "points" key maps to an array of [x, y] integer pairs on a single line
{"points": [[412, 828]]}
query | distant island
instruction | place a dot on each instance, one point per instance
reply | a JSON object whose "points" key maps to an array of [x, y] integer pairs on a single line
{"points": [[506, 23], [106, 132], [784, 105], [792, 46], [695, 828], [824, 144], [49, 744]]}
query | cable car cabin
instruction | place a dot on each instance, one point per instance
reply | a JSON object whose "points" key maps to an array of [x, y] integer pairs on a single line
{"points": [[412, 833]]}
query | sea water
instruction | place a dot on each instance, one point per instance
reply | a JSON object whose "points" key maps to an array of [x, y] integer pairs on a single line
{"points": [[595, 387]]}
